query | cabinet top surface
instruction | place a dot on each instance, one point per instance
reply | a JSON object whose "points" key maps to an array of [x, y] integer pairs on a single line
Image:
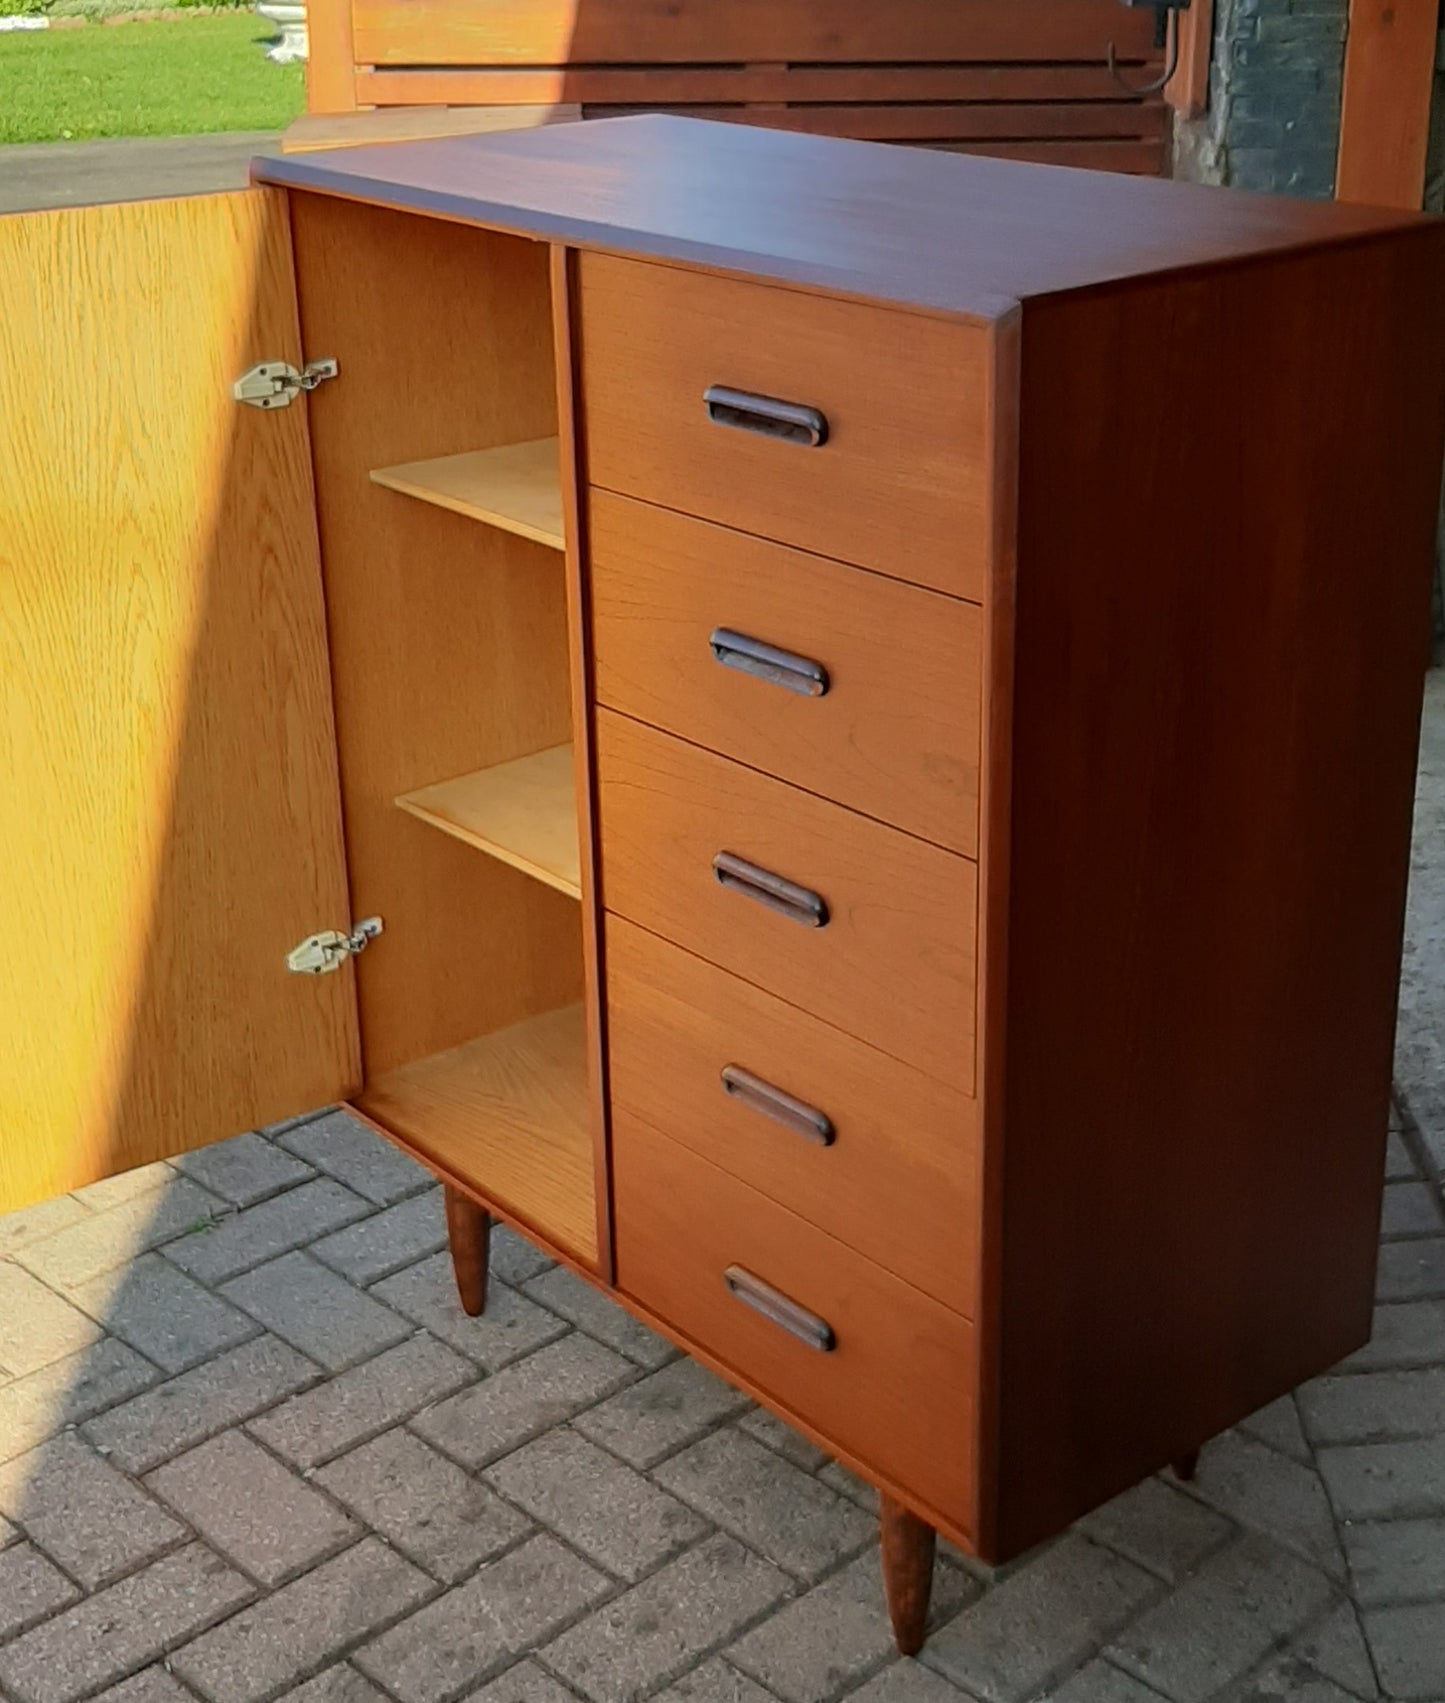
{"points": [[950, 233]]}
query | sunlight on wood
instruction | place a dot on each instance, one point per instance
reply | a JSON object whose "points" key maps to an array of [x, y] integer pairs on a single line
{"points": [[143, 634]]}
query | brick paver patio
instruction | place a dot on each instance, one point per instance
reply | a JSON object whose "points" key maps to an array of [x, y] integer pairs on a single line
{"points": [[250, 1447]]}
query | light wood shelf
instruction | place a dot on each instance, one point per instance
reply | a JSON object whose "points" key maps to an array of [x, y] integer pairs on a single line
{"points": [[523, 812], [516, 486], [507, 1114]]}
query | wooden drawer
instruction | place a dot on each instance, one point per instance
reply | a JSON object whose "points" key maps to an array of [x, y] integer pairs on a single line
{"points": [[897, 1387], [893, 963], [888, 1159], [900, 483], [887, 721]]}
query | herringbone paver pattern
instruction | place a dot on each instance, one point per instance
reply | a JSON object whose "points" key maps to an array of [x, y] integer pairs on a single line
{"points": [[250, 1448]]}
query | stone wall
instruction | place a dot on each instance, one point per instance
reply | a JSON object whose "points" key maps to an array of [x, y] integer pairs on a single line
{"points": [[1274, 111], [1273, 123]]}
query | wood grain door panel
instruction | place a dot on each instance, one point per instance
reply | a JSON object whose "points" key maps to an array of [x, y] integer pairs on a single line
{"points": [[171, 826]]}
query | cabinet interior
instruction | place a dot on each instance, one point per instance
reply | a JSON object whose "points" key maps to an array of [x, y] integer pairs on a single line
{"points": [[438, 503]]}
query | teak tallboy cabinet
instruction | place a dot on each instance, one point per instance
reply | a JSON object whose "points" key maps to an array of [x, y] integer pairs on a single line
{"points": [[872, 694]]}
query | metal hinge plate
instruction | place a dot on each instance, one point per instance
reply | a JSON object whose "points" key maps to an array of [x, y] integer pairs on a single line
{"points": [[277, 384], [320, 954]]}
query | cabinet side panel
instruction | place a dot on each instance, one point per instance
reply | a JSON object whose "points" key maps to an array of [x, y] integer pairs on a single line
{"points": [[995, 826], [1221, 631], [170, 825]]}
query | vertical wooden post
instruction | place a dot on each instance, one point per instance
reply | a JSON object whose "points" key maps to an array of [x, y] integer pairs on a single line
{"points": [[1385, 119], [331, 57], [1187, 91]]}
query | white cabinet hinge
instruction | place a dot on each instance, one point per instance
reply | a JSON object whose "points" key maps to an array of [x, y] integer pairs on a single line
{"points": [[320, 954], [277, 384]]}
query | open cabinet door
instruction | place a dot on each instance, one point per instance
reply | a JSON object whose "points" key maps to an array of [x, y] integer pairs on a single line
{"points": [[170, 824]]}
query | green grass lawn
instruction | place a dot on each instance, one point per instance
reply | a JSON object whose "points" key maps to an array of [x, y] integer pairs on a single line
{"points": [[180, 78]]}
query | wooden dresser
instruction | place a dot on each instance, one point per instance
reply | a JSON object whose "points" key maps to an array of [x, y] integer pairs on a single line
{"points": [[828, 731]]}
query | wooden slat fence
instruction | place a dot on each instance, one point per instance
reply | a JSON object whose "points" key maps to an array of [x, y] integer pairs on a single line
{"points": [[1026, 78]]}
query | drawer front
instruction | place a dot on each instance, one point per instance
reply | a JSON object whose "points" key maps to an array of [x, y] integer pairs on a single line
{"points": [[899, 482], [864, 926], [875, 700], [764, 1291], [858, 1143]]}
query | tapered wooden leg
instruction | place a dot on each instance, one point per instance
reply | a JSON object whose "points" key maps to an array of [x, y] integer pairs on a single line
{"points": [[908, 1545], [1187, 1465], [469, 1230]]}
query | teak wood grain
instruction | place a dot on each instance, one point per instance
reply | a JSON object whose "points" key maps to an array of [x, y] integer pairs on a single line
{"points": [[927, 230], [1211, 776], [896, 1390], [895, 735], [894, 965], [448, 639], [902, 397], [171, 824], [899, 1182]]}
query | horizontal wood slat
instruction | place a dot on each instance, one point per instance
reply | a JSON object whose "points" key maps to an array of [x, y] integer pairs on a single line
{"points": [[695, 32], [943, 123], [1133, 159], [414, 121], [1021, 78], [718, 85]]}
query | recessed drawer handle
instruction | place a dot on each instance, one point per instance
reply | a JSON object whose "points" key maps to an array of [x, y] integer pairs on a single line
{"points": [[796, 1115], [779, 1310], [787, 898], [793, 422], [798, 674]]}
